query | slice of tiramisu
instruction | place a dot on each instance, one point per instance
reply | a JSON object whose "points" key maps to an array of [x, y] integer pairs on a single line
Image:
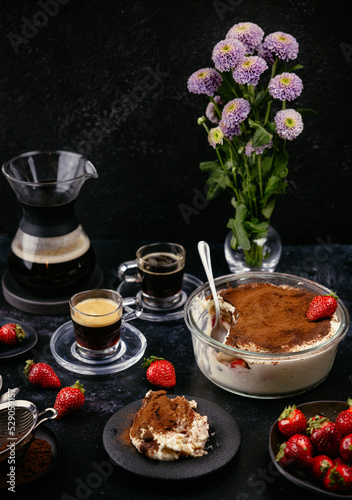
{"points": [[169, 428]]}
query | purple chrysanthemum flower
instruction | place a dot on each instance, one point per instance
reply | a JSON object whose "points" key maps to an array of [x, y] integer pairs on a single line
{"points": [[248, 71], [289, 124], [229, 132], [286, 87], [249, 149], [250, 34], [235, 112], [210, 111], [265, 54], [227, 54], [281, 45], [216, 136], [204, 81]]}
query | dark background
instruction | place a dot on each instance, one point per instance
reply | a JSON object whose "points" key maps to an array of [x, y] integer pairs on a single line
{"points": [[108, 79]]}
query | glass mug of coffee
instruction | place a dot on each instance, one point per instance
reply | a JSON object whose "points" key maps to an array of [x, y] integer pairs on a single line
{"points": [[97, 316], [159, 268]]}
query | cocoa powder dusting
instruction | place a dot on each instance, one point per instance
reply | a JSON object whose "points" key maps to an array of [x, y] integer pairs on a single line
{"points": [[160, 413], [272, 317]]}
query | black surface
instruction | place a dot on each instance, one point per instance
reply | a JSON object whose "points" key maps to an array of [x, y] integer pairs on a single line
{"points": [[329, 409], [222, 445], [21, 347], [84, 469], [109, 79]]}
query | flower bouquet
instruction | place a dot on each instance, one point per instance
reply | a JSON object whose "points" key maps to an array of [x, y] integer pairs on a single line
{"points": [[248, 91]]}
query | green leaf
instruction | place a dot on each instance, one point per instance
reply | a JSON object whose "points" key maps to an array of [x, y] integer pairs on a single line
{"points": [[241, 212], [268, 209], [261, 137], [239, 233], [307, 111], [280, 164], [207, 166], [295, 67]]}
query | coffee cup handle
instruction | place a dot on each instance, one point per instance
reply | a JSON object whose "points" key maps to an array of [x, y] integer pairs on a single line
{"points": [[136, 312], [123, 275]]}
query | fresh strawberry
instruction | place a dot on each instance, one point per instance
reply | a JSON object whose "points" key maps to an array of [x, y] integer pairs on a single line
{"points": [[344, 420], [69, 399], [42, 375], [237, 362], [303, 441], [325, 436], [338, 478], [320, 464], [293, 456], [346, 448], [292, 421], [160, 372], [322, 306], [11, 334]]}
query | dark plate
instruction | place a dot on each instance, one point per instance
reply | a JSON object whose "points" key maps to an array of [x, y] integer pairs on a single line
{"points": [[329, 409], [48, 435], [222, 446], [27, 343]]}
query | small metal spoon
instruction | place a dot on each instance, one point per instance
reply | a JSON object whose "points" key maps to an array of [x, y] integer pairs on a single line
{"points": [[218, 331]]}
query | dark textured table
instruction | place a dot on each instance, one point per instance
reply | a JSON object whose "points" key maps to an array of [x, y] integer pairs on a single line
{"points": [[83, 470]]}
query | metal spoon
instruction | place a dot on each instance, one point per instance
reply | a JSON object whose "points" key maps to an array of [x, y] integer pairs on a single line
{"points": [[218, 331], [5, 397]]}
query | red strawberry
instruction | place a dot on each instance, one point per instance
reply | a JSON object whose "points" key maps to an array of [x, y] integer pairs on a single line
{"points": [[292, 421], [303, 441], [338, 478], [344, 420], [322, 306], [320, 464], [346, 448], [11, 334], [238, 362], [69, 399], [160, 372], [325, 436], [292, 455], [42, 375]]}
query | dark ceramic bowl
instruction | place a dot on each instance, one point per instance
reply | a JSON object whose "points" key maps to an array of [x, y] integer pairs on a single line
{"points": [[328, 409]]}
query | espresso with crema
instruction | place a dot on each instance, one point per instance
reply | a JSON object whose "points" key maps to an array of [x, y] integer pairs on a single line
{"points": [[97, 323]]}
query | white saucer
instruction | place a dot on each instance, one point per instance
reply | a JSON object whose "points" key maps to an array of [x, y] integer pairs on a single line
{"points": [[63, 346], [156, 314]]}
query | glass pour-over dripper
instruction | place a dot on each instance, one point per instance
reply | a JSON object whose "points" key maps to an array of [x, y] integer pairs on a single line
{"points": [[50, 253]]}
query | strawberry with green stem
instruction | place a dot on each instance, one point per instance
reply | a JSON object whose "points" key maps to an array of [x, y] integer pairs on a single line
{"points": [[322, 307], [41, 374], [11, 334], [69, 399], [160, 372]]}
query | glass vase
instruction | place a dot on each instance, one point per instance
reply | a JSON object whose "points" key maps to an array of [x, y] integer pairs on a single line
{"points": [[264, 254]]}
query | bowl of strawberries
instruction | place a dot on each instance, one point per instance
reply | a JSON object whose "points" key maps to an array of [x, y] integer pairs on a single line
{"points": [[311, 445]]}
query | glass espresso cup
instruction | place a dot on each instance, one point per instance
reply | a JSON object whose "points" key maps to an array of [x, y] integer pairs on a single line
{"points": [[97, 316], [159, 268]]}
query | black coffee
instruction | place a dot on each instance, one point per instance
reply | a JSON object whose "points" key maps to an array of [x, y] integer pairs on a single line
{"points": [[52, 278], [162, 274], [97, 339]]}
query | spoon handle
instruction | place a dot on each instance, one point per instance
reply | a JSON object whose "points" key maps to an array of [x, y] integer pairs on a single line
{"points": [[204, 253]]}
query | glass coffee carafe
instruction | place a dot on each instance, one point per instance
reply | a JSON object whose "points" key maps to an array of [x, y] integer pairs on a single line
{"points": [[51, 255]]}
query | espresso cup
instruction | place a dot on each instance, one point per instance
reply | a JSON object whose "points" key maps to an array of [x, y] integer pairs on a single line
{"points": [[97, 316], [159, 268]]}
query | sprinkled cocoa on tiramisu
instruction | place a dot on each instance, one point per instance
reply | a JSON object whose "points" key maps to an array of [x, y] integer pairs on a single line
{"points": [[169, 428]]}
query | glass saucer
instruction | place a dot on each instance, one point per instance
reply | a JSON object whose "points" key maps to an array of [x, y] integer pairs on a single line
{"points": [[64, 348], [154, 313]]}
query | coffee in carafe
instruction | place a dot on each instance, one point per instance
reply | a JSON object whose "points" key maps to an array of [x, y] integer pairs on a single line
{"points": [[50, 254]]}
